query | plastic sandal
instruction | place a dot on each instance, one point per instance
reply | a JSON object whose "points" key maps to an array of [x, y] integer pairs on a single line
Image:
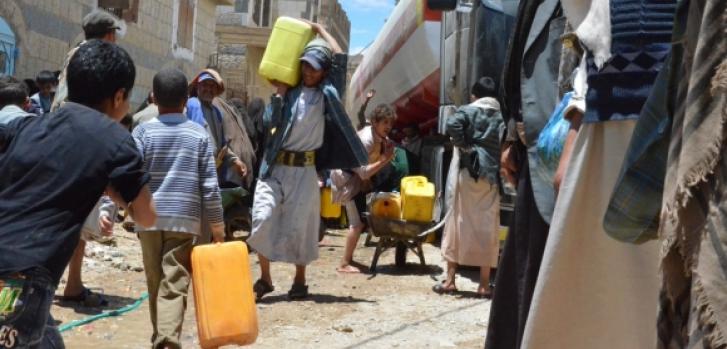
{"points": [[298, 291], [439, 289], [489, 293], [87, 298], [262, 288]]}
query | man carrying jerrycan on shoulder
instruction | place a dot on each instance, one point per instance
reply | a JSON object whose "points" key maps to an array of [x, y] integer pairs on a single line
{"points": [[308, 131]]}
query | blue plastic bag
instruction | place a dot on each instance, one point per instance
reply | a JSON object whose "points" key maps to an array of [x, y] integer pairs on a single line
{"points": [[552, 139]]}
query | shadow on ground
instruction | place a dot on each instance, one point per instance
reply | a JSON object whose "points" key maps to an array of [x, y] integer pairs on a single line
{"points": [[471, 273], [315, 298], [114, 302], [403, 327], [408, 269]]}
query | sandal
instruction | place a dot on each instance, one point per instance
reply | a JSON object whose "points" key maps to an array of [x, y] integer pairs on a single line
{"points": [[298, 291], [86, 298], [440, 289], [262, 288], [487, 295], [128, 226]]}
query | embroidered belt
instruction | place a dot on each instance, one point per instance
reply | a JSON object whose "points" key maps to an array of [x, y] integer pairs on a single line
{"points": [[296, 158]]}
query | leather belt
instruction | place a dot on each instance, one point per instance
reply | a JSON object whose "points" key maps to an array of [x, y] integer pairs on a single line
{"points": [[296, 158]]}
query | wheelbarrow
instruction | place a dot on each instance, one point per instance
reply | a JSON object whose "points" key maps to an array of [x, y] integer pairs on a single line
{"points": [[236, 204], [400, 235]]}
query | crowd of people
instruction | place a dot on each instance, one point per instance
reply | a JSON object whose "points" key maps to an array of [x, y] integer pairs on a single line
{"points": [[69, 162], [73, 157]]}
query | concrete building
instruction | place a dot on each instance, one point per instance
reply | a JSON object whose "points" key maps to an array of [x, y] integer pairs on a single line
{"points": [[244, 28], [36, 35]]}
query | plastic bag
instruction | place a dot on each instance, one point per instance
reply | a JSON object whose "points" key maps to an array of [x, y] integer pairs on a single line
{"points": [[552, 139], [345, 185]]}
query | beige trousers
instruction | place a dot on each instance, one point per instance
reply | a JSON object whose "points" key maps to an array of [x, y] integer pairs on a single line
{"points": [[168, 273]]}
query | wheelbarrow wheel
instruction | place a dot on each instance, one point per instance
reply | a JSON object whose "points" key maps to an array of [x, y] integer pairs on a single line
{"points": [[400, 256]]}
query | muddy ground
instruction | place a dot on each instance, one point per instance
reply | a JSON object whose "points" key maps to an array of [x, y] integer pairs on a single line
{"points": [[394, 308]]}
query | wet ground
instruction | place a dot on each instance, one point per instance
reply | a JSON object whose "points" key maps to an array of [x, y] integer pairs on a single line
{"points": [[395, 308]]}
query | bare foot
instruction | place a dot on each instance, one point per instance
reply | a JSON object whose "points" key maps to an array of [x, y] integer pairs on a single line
{"points": [[348, 269]]}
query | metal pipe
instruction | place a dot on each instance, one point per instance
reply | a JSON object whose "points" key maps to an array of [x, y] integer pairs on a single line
{"points": [[442, 62]]}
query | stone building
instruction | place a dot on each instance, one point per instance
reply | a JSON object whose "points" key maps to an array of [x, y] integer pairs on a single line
{"points": [[243, 31], [36, 35]]}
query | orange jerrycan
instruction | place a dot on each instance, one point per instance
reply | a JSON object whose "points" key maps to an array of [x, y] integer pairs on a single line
{"points": [[417, 199], [281, 58], [386, 205], [223, 296]]}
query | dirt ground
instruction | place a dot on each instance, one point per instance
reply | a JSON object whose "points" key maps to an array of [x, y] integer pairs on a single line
{"points": [[394, 308]]}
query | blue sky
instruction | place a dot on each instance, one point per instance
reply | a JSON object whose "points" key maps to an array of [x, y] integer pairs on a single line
{"points": [[367, 17]]}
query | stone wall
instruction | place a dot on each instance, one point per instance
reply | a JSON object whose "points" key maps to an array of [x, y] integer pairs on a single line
{"points": [[327, 12], [238, 62], [232, 64], [47, 29], [335, 19]]}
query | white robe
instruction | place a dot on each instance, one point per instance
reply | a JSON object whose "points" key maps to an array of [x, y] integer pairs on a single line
{"points": [[286, 212], [593, 291], [472, 227]]}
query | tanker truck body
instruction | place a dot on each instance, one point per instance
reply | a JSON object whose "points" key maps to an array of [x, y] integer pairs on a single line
{"points": [[402, 65], [421, 52]]}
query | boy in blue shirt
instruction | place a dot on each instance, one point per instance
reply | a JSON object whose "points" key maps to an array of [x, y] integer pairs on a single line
{"points": [[53, 170]]}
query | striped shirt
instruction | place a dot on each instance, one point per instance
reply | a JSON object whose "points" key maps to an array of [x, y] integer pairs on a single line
{"points": [[178, 157]]}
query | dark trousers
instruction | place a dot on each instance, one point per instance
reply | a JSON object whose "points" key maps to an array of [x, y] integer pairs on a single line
{"points": [[25, 302], [518, 268]]}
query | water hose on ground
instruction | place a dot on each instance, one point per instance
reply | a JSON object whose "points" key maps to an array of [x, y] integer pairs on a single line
{"points": [[110, 313]]}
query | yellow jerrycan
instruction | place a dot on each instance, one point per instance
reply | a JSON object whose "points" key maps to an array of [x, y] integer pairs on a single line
{"points": [[386, 205], [281, 58], [417, 199], [223, 296], [329, 209], [412, 179]]}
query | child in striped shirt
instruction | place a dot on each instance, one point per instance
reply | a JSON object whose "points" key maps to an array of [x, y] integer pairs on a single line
{"points": [[178, 156]]}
